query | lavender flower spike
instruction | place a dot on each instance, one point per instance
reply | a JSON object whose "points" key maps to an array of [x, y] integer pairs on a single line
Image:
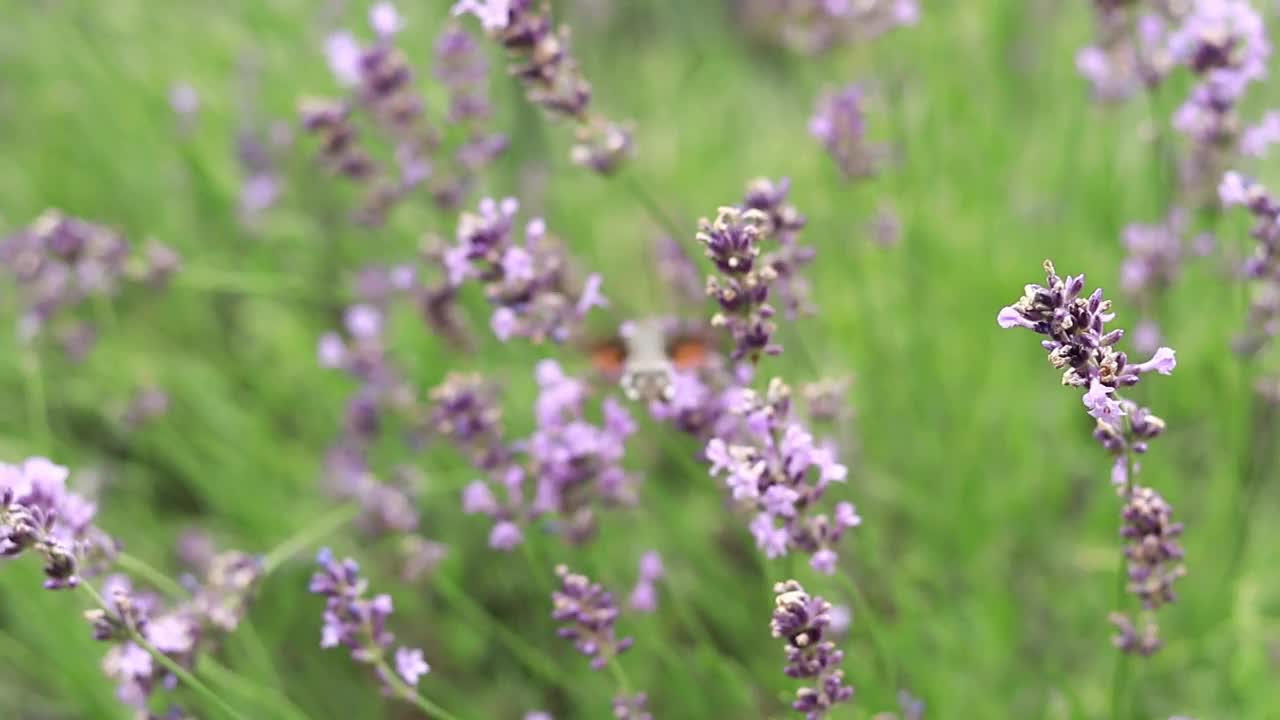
{"points": [[801, 620], [839, 123], [360, 623], [544, 63], [733, 243], [38, 514], [1078, 340], [589, 615]]}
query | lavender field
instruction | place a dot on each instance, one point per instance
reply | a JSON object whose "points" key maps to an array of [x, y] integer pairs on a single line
{"points": [[639, 359]]}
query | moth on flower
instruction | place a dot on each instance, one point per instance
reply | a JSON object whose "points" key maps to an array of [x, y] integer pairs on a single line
{"points": [[645, 355]]}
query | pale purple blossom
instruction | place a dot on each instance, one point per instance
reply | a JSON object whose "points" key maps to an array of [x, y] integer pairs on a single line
{"points": [[493, 14], [410, 665]]}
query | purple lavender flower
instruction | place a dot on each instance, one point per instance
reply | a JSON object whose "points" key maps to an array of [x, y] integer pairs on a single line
{"points": [[230, 584], [801, 621], [529, 284], [465, 410], [494, 15], [383, 87], [128, 615], [776, 470], [633, 707], [1079, 341], [460, 67], [410, 665], [839, 123], [812, 27], [544, 62], [59, 262], [790, 258], [1263, 267], [1153, 264], [644, 597], [1224, 43], [1124, 61], [572, 464], [360, 623], [39, 514], [588, 616], [733, 243]]}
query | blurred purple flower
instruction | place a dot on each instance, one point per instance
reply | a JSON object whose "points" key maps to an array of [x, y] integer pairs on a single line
{"points": [[588, 616], [544, 63], [38, 514], [768, 470], [839, 123], [644, 597]]}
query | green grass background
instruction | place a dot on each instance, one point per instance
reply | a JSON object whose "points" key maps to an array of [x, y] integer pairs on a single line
{"points": [[989, 549]]}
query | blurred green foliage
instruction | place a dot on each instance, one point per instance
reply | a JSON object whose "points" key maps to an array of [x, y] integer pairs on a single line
{"points": [[989, 549]]}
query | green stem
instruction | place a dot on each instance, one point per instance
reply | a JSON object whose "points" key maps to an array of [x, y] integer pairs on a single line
{"points": [[225, 677], [309, 535], [184, 676], [528, 655], [864, 614], [620, 677], [1120, 674], [37, 407], [157, 579], [410, 694], [652, 207]]}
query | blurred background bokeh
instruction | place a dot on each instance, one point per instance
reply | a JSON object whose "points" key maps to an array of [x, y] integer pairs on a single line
{"points": [[989, 547]]}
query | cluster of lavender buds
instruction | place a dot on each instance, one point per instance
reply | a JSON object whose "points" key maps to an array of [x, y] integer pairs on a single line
{"points": [[839, 122], [1079, 342], [360, 624], [1131, 51], [790, 257], [544, 63], [588, 614], [733, 242], [644, 597], [1154, 564], [388, 507], [774, 468], [1152, 266], [59, 262], [572, 464], [130, 617], [465, 411], [147, 404], [801, 620], [812, 27], [38, 514], [1224, 43], [1263, 268], [381, 82], [529, 284]]}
